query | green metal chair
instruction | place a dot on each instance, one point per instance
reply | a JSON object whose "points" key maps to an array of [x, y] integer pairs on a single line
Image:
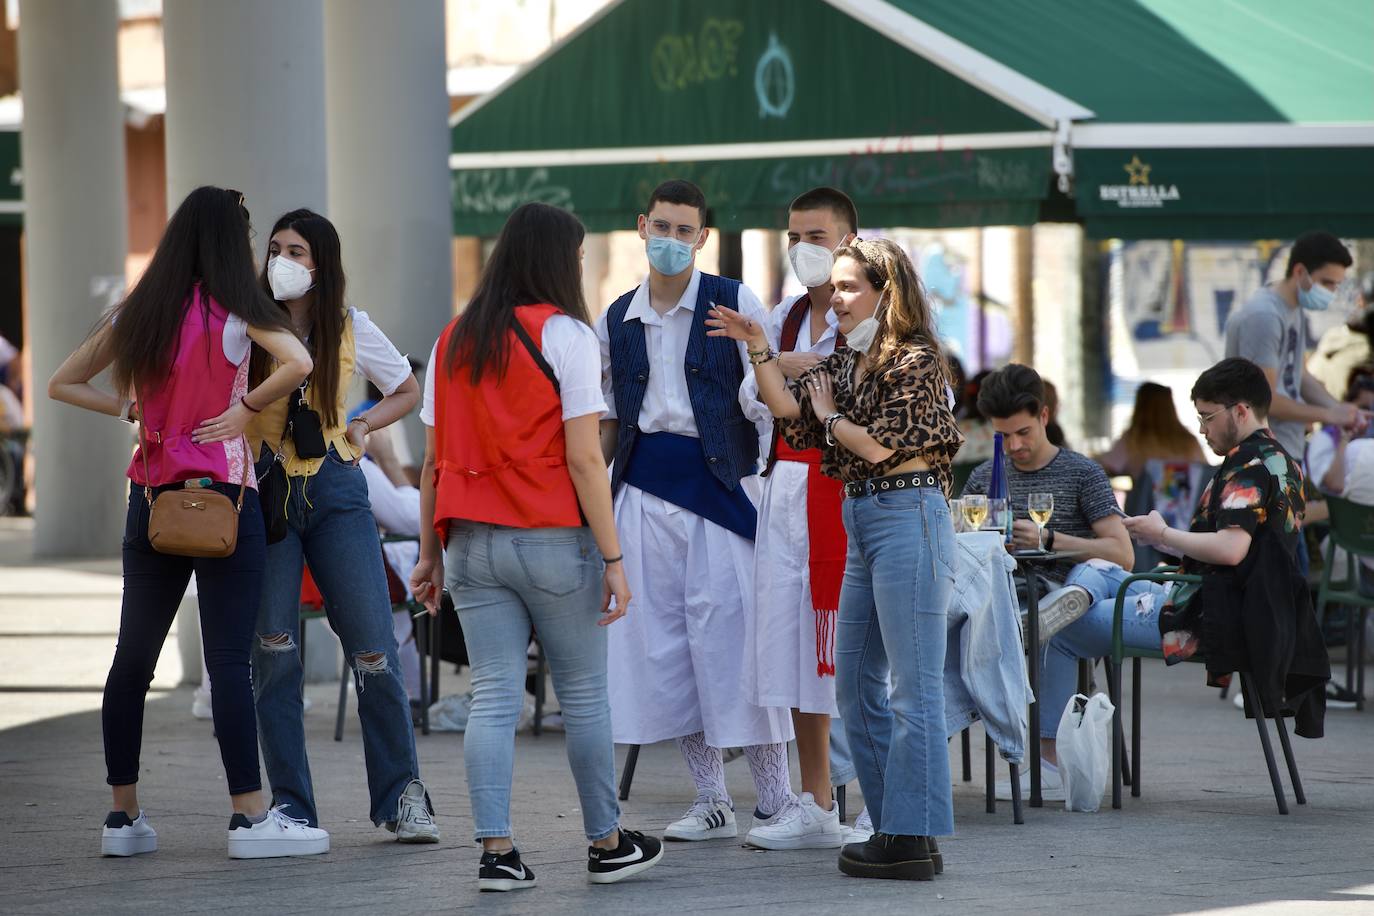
{"points": [[1120, 652], [1352, 530]]}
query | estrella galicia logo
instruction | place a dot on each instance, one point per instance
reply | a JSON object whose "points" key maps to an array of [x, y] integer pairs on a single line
{"points": [[1138, 191]]}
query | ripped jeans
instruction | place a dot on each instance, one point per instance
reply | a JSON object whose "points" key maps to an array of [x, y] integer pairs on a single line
{"points": [[330, 526], [1091, 635]]}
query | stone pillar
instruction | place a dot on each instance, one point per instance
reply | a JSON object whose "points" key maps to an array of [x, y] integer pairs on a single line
{"points": [[246, 110], [245, 103], [388, 166], [75, 226]]}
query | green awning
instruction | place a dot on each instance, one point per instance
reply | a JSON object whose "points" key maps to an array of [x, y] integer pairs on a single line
{"points": [[1235, 119], [756, 102], [1160, 118]]}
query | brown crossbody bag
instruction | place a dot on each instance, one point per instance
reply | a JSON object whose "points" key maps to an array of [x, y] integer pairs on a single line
{"points": [[192, 521]]}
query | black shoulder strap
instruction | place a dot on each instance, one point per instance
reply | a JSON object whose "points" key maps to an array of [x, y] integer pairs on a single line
{"points": [[538, 357]]}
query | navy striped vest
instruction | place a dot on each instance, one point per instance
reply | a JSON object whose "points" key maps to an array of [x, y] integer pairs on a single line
{"points": [[712, 366]]}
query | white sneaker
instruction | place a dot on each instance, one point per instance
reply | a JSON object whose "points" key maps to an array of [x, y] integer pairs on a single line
{"points": [[800, 825], [414, 819], [707, 819], [862, 831], [123, 837], [1051, 785], [1060, 608], [275, 836]]}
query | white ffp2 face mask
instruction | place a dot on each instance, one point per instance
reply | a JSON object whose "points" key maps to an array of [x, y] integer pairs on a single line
{"points": [[860, 337], [812, 263], [288, 279]]}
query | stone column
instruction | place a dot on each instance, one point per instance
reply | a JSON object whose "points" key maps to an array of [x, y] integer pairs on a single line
{"points": [[246, 110], [388, 166], [245, 103], [75, 227]]}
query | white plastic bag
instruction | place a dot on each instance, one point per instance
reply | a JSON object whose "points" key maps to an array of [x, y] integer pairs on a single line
{"points": [[1081, 745]]}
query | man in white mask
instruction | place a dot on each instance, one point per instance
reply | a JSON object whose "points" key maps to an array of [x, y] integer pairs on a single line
{"points": [[800, 548]]}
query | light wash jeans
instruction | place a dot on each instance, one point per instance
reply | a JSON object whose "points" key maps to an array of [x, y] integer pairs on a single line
{"points": [[1090, 636], [898, 581], [505, 581], [330, 525]]}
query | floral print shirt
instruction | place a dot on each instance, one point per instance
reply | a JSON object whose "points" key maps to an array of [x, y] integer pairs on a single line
{"points": [[1257, 484], [904, 407]]}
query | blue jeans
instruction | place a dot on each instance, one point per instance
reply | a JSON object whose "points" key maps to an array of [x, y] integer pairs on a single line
{"points": [[1090, 636], [153, 587], [898, 581], [330, 526], [506, 582]]}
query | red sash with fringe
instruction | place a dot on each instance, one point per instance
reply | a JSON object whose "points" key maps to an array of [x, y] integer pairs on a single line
{"points": [[826, 540]]}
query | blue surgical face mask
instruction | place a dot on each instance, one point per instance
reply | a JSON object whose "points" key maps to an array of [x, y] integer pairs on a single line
{"points": [[1316, 298], [668, 256]]}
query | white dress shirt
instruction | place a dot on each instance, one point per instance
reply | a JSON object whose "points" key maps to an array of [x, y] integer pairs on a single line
{"points": [[667, 408]]}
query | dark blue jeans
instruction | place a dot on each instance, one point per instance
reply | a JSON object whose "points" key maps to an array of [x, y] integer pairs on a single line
{"points": [[154, 584]]}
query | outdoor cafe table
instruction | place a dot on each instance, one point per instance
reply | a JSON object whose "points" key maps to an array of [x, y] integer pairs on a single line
{"points": [[1033, 563]]}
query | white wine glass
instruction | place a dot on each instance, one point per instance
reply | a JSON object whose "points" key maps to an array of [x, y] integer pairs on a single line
{"points": [[975, 511], [1040, 506]]}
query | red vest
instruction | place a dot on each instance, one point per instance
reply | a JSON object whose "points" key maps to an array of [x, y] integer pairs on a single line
{"points": [[500, 452]]}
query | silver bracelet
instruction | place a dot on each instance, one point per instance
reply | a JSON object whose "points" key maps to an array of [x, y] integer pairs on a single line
{"points": [[830, 423]]}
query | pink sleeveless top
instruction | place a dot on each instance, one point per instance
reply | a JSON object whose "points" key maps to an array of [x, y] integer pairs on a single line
{"points": [[201, 383]]}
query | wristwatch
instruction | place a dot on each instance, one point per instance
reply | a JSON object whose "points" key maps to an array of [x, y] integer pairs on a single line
{"points": [[126, 411], [1049, 539]]}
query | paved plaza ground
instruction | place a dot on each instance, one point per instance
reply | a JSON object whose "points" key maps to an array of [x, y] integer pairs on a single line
{"points": [[1205, 838]]}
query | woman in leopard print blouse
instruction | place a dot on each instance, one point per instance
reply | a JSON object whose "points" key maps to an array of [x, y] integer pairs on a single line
{"points": [[879, 410]]}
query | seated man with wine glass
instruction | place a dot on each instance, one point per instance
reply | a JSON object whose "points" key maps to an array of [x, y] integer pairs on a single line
{"points": [[1069, 491]]}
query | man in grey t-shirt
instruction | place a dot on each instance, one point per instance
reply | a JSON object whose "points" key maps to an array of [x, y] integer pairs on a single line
{"points": [[1086, 519], [1271, 332]]}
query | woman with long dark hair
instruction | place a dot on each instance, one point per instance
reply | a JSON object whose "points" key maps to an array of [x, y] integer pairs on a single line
{"points": [[328, 523], [879, 411], [179, 345], [514, 484]]}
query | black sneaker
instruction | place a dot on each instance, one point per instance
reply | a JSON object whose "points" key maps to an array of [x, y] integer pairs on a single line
{"points": [[1337, 697], [636, 853], [904, 858], [503, 872]]}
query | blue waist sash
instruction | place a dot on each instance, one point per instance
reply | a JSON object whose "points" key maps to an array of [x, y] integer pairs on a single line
{"points": [[674, 469]]}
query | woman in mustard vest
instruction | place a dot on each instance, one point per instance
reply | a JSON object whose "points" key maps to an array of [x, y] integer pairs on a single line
{"points": [[329, 525]]}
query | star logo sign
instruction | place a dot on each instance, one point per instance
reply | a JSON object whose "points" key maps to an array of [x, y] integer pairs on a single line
{"points": [[1139, 171]]}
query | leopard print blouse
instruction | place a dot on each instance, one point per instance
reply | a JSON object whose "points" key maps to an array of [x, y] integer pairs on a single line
{"points": [[905, 407]]}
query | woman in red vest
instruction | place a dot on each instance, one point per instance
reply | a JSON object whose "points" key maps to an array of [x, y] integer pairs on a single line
{"points": [[516, 485]]}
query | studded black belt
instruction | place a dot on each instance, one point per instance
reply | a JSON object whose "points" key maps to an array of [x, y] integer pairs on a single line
{"points": [[908, 481]]}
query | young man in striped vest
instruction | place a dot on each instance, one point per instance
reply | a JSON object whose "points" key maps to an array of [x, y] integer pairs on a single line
{"points": [[684, 453], [800, 548]]}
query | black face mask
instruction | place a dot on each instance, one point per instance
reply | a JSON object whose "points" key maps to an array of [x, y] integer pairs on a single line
{"points": [[303, 423]]}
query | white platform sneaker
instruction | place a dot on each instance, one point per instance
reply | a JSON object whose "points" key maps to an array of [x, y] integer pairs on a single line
{"points": [[124, 837], [275, 836]]}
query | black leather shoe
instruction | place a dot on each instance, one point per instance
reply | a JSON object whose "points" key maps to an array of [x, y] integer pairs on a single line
{"points": [[935, 856], [903, 858]]}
